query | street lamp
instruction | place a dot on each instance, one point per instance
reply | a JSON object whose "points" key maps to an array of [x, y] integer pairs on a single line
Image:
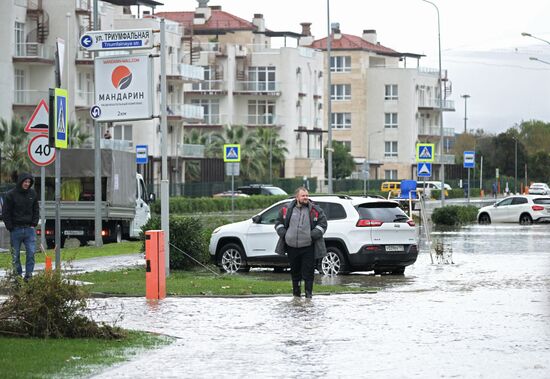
{"points": [[367, 171], [329, 104], [441, 139], [465, 97], [538, 60], [524, 34]]}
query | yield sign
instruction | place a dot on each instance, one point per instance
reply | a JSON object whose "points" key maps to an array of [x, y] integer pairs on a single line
{"points": [[39, 120]]}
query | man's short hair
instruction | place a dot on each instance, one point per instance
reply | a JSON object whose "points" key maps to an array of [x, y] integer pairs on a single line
{"points": [[301, 188]]}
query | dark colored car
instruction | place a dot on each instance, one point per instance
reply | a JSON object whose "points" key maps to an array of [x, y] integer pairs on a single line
{"points": [[261, 189]]}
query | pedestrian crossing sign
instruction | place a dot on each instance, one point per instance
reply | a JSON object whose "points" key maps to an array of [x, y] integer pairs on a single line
{"points": [[424, 170], [58, 120], [232, 153], [425, 152]]}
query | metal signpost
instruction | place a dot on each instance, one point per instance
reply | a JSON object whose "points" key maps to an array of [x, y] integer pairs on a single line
{"points": [[232, 157], [469, 162]]}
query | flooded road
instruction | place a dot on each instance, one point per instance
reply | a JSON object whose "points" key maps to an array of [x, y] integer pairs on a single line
{"points": [[487, 315]]}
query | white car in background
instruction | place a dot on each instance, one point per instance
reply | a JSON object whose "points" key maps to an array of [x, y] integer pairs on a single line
{"points": [[522, 209], [363, 234], [539, 189]]}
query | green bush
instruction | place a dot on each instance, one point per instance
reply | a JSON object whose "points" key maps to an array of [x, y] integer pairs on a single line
{"points": [[454, 215], [210, 204], [187, 234]]}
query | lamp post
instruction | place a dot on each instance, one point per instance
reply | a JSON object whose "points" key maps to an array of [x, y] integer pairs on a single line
{"points": [[367, 171], [465, 97], [441, 89], [329, 104], [538, 60], [524, 34], [515, 164]]}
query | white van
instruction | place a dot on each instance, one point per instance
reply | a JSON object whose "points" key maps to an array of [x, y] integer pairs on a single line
{"points": [[431, 185]]}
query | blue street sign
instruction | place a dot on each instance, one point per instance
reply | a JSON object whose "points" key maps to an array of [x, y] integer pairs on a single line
{"points": [[424, 170], [86, 41], [141, 154], [60, 118], [232, 153], [95, 112], [469, 159]]}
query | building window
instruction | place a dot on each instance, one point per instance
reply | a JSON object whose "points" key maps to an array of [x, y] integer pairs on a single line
{"points": [[390, 149], [19, 39], [391, 92], [340, 92], [341, 120], [261, 79], [340, 64], [19, 86], [122, 132], [390, 174], [211, 110], [261, 112], [390, 120]]}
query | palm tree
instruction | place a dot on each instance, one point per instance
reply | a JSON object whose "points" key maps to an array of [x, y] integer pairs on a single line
{"points": [[77, 135], [196, 137], [252, 167], [13, 142], [273, 151]]}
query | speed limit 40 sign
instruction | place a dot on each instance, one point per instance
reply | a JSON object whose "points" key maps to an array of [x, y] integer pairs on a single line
{"points": [[39, 150]]}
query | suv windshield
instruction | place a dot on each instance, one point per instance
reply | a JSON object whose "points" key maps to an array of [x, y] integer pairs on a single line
{"points": [[274, 191], [385, 212]]}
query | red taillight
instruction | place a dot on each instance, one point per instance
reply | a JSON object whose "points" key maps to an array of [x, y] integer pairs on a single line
{"points": [[104, 233], [411, 223], [368, 223], [537, 207]]}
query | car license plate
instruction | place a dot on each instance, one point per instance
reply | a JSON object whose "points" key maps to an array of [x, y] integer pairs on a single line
{"points": [[394, 248], [74, 232]]}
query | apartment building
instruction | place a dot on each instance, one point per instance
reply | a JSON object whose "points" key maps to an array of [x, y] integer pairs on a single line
{"points": [[30, 29], [383, 103], [249, 81]]}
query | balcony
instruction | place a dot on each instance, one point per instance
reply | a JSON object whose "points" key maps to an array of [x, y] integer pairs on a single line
{"points": [[29, 97], [267, 119], [187, 150], [257, 88], [84, 57], [34, 52], [84, 99], [434, 130], [185, 112], [433, 104], [186, 72], [215, 120], [208, 87]]}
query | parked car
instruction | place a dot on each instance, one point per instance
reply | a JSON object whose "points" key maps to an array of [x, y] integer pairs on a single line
{"points": [[230, 194], [432, 185], [539, 189], [261, 189], [363, 234], [524, 209]]}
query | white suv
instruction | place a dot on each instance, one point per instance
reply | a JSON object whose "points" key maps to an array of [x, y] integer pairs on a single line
{"points": [[363, 234]]}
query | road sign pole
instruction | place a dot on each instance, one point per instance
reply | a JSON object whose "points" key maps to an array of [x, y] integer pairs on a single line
{"points": [[98, 240], [468, 185], [164, 183], [232, 192], [43, 207]]}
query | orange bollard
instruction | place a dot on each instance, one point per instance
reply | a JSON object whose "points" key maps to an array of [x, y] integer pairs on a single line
{"points": [[155, 271], [48, 263]]}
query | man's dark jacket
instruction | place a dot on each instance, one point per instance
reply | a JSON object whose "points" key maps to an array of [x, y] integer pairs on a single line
{"points": [[21, 207], [318, 223]]}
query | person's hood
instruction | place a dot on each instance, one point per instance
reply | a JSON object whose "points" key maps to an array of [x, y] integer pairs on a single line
{"points": [[24, 176]]}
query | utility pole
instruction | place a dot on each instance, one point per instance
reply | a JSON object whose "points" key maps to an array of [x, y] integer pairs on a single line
{"points": [[465, 97]]}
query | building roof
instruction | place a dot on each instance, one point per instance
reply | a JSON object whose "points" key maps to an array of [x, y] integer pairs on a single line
{"points": [[219, 20], [351, 42]]}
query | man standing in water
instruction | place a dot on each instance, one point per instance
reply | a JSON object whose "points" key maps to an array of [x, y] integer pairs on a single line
{"points": [[300, 226]]}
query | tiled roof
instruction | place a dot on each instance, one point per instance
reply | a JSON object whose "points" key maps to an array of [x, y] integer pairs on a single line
{"points": [[218, 20], [350, 42]]}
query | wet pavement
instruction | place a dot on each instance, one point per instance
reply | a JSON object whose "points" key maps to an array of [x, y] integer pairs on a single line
{"points": [[485, 316]]}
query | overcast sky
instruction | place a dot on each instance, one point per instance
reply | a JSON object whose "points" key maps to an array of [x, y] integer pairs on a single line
{"points": [[482, 47]]}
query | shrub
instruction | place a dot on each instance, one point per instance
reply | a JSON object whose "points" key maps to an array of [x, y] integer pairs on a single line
{"points": [[208, 204], [187, 234], [49, 307], [454, 215]]}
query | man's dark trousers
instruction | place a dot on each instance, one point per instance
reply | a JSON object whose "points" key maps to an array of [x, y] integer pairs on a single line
{"points": [[302, 266]]}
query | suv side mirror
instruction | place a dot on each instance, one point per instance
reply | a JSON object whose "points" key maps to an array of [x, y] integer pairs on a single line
{"points": [[256, 219]]}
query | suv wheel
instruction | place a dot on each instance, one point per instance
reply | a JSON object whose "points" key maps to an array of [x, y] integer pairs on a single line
{"points": [[232, 259], [333, 263], [484, 219], [398, 271], [525, 219]]}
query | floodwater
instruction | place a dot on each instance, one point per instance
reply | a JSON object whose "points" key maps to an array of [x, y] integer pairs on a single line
{"points": [[485, 316]]}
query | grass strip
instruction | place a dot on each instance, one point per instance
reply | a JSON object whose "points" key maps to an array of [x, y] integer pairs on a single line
{"points": [[76, 253], [49, 358], [131, 282]]}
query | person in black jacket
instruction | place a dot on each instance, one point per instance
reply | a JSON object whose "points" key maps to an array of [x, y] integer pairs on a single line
{"points": [[300, 227], [21, 214]]}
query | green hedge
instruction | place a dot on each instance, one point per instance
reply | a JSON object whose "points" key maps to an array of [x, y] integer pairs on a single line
{"points": [[454, 215], [209, 204], [187, 234]]}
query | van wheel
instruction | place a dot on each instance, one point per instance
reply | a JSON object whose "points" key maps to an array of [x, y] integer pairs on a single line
{"points": [[333, 263], [118, 233]]}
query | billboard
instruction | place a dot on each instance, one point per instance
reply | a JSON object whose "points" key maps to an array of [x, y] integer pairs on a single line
{"points": [[123, 88]]}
